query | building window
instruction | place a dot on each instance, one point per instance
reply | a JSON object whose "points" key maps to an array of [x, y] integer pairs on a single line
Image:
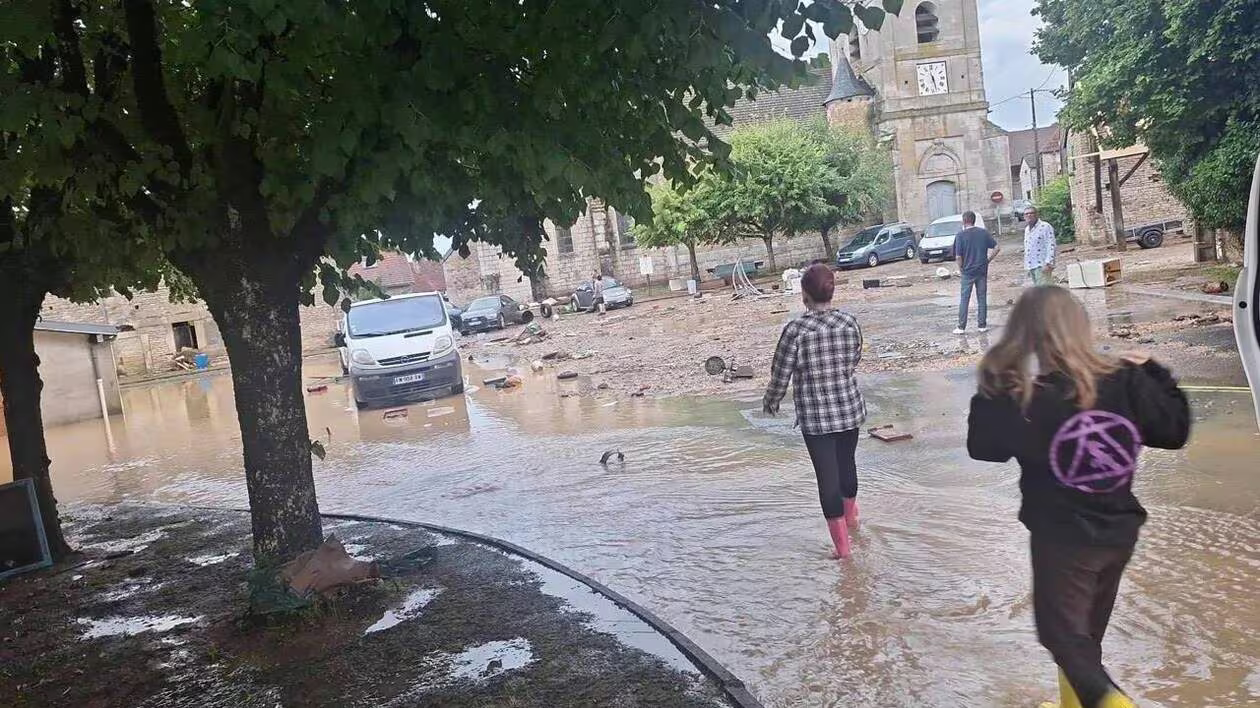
{"points": [[564, 239], [926, 22], [855, 47], [185, 336], [625, 231]]}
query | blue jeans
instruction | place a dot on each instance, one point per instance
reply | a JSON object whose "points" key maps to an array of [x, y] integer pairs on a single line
{"points": [[981, 284]]}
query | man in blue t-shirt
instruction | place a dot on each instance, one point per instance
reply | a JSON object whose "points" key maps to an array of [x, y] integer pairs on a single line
{"points": [[974, 248]]}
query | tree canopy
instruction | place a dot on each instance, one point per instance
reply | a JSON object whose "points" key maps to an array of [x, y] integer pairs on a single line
{"points": [[684, 217], [1180, 76], [259, 143], [788, 177]]}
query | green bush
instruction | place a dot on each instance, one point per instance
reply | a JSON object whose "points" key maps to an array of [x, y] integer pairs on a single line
{"points": [[1055, 206]]}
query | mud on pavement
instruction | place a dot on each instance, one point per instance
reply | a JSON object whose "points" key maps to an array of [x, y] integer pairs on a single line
{"points": [[152, 616]]}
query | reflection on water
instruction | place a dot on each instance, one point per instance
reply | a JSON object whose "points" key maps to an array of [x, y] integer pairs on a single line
{"points": [[713, 523]]}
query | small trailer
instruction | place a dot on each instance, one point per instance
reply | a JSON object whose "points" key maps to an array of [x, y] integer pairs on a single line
{"points": [[1152, 235]]}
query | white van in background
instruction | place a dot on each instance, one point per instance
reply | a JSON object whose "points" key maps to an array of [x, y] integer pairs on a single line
{"points": [[399, 348], [938, 238]]}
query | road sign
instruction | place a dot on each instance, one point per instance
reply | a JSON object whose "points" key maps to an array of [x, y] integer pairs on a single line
{"points": [[997, 197]]}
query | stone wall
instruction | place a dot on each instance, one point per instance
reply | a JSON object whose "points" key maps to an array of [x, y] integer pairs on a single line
{"points": [[149, 346], [1144, 197]]}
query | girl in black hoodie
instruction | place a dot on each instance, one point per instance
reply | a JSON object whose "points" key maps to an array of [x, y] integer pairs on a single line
{"points": [[1076, 423]]}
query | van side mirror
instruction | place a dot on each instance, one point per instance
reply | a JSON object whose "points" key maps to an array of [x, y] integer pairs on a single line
{"points": [[339, 339]]}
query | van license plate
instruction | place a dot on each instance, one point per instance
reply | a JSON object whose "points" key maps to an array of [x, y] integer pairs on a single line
{"points": [[409, 378], [937, 252]]}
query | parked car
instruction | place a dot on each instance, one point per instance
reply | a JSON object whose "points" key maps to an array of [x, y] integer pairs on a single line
{"points": [[938, 240], [492, 312], [455, 312], [1020, 206], [400, 348], [878, 244], [615, 295]]}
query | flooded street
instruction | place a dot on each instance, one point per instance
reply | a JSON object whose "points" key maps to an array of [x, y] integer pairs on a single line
{"points": [[713, 523]]}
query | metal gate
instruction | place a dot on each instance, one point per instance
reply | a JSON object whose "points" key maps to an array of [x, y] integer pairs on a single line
{"points": [[942, 199]]}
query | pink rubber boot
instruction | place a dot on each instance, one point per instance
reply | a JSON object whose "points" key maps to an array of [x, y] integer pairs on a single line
{"points": [[851, 513], [840, 537]]}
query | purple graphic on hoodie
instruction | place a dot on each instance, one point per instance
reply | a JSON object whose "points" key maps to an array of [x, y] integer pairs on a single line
{"points": [[1095, 452]]}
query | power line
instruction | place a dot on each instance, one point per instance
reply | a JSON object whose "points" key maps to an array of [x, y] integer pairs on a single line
{"points": [[1022, 94]]}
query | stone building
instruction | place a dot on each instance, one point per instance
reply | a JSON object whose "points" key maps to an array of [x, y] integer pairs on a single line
{"points": [[1024, 165], [1144, 197], [73, 357], [929, 107], [602, 238]]}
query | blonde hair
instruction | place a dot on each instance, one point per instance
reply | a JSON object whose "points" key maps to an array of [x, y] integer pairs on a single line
{"points": [[1050, 324]]}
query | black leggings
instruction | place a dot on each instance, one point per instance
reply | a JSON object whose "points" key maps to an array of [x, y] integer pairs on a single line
{"points": [[1074, 591], [836, 469]]}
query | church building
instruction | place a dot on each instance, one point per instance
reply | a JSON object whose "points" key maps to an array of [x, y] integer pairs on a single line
{"points": [[918, 82]]}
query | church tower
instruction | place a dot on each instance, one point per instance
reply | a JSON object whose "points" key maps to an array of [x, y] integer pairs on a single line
{"points": [[931, 110]]}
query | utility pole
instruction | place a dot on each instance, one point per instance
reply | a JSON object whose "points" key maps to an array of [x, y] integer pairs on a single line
{"points": [[1041, 182]]}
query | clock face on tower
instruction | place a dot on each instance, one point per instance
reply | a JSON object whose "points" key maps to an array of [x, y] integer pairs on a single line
{"points": [[933, 79]]}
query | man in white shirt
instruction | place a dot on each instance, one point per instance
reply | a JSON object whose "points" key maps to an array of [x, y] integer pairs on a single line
{"points": [[1039, 248]]}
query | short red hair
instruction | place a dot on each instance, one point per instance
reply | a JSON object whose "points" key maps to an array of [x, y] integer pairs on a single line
{"points": [[819, 283]]}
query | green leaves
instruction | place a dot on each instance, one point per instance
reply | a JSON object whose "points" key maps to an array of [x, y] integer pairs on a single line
{"points": [[1177, 76], [872, 17], [893, 7]]}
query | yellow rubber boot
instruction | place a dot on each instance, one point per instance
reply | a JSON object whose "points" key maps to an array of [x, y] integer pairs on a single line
{"points": [[1067, 694], [1116, 699]]}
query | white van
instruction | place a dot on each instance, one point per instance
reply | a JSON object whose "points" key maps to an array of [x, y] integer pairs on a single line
{"points": [[402, 347], [938, 239]]}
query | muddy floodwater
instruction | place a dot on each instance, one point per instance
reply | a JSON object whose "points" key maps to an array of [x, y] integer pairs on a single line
{"points": [[713, 523]]}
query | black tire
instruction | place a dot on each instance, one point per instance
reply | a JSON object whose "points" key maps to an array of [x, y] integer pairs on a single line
{"points": [[457, 389], [911, 253], [872, 260], [502, 322], [464, 333], [924, 260], [1151, 238]]}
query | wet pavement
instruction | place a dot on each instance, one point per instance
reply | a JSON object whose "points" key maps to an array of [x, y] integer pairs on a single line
{"points": [[712, 523]]}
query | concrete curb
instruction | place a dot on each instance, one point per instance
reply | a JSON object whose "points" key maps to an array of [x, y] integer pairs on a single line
{"points": [[734, 688]]}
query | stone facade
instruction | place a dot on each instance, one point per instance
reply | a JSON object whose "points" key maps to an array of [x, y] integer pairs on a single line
{"points": [[1051, 164], [158, 326], [930, 108], [1144, 197]]}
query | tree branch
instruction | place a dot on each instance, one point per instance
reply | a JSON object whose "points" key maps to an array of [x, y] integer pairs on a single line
{"points": [[72, 67], [157, 114]]}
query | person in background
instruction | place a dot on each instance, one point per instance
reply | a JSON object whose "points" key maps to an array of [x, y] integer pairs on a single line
{"points": [[1039, 248], [974, 248], [1076, 426], [597, 289], [818, 353]]}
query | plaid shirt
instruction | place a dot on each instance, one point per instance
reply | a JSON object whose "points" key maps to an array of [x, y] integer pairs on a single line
{"points": [[819, 352]]}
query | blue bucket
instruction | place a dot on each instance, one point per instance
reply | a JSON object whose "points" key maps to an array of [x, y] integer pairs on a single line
{"points": [[202, 361]]}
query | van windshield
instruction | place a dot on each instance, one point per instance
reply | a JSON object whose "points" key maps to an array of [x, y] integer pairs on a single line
{"points": [[396, 316], [944, 228], [863, 238]]}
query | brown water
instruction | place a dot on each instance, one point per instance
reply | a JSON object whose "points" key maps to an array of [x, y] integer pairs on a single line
{"points": [[713, 523]]}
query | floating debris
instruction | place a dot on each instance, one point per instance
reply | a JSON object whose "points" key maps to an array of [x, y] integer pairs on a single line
{"points": [[409, 609], [204, 561], [129, 626]]}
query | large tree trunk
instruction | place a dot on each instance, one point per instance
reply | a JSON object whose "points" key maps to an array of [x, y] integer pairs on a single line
{"points": [[695, 263], [253, 295], [769, 241], [20, 387], [828, 252]]}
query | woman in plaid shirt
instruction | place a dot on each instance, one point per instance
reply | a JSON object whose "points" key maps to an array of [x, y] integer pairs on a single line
{"points": [[818, 352]]}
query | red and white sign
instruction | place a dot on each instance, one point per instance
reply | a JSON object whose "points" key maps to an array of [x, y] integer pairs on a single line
{"points": [[997, 197]]}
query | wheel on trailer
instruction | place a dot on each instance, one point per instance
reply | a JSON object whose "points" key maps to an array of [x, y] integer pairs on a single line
{"points": [[1151, 238]]}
